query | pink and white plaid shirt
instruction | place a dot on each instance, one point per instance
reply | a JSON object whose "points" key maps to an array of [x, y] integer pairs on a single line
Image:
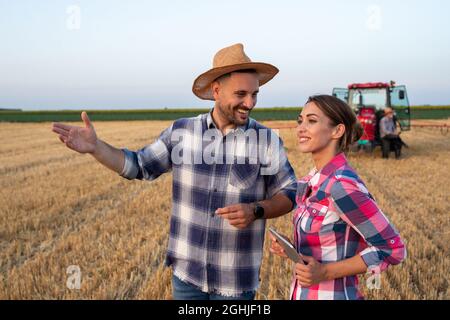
{"points": [[337, 218]]}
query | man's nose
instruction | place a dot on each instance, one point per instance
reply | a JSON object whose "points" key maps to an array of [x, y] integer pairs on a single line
{"points": [[249, 101]]}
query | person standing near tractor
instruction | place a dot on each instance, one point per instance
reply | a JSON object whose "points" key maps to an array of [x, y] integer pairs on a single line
{"points": [[389, 134], [219, 206]]}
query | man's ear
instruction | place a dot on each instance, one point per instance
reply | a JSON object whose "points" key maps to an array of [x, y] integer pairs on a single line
{"points": [[215, 88], [338, 131]]}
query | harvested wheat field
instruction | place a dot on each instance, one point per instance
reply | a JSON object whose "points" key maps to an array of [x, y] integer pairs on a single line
{"points": [[59, 208]]}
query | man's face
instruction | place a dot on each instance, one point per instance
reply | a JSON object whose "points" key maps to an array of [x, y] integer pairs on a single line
{"points": [[389, 113], [236, 96]]}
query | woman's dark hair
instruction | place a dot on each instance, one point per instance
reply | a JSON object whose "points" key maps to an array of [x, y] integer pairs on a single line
{"points": [[340, 113]]}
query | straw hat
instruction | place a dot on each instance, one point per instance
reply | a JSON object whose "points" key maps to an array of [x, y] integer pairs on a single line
{"points": [[227, 60]]}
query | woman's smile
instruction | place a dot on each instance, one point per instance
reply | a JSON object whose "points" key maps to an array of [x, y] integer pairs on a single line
{"points": [[303, 139]]}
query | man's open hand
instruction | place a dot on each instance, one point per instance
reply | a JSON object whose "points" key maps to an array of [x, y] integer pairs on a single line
{"points": [[80, 139]]}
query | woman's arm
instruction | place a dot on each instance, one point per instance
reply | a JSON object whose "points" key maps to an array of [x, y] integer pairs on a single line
{"points": [[313, 272], [359, 210], [345, 268]]}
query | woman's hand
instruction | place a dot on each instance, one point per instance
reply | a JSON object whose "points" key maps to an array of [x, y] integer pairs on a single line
{"points": [[276, 248], [312, 272]]}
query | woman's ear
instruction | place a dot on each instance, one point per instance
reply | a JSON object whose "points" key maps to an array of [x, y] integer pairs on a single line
{"points": [[338, 131]]}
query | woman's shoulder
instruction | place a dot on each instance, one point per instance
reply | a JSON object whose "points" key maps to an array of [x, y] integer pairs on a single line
{"points": [[346, 172], [346, 179]]}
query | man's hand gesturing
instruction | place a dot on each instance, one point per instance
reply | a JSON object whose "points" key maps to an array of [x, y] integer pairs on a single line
{"points": [[80, 139], [238, 215]]}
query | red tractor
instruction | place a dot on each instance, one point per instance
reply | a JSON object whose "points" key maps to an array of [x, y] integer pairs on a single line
{"points": [[369, 100]]}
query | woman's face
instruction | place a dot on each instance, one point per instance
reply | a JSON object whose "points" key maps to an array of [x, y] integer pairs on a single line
{"points": [[314, 130]]}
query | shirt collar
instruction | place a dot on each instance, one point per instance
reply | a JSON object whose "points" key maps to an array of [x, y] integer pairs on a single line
{"points": [[316, 177]]}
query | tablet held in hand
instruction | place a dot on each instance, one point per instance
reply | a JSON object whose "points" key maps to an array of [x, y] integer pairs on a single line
{"points": [[289, 249]]}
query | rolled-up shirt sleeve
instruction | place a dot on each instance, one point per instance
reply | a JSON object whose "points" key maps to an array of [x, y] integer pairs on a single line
{"points": [[358, 209], [151, 161]]}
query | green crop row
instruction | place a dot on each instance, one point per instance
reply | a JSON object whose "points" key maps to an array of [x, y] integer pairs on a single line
{"points": [[277, 113]]}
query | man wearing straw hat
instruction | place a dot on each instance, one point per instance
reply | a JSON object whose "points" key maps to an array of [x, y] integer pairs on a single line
{"points": [[230, 173]]}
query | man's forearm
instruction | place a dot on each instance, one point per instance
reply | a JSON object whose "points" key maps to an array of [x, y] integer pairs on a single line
{"points": [[109, 156], [276, 206]]}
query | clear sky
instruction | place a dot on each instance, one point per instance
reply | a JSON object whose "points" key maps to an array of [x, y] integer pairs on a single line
{"points": [[109, 54]]}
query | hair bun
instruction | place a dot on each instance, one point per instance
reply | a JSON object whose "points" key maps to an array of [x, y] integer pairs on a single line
{"points": [[358, 131]]}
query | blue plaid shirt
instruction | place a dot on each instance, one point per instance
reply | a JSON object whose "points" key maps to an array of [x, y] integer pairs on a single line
{"points": [[204, 250]]}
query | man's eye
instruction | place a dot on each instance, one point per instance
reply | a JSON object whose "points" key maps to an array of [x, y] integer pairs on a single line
{"points": [[312, 121], [299, 121]]}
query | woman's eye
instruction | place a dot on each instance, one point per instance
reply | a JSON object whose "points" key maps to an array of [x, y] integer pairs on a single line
{"points": [[312, 120]]}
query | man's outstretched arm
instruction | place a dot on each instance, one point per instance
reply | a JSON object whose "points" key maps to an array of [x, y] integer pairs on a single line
{"points": [[147, 163], [84, 140], [109, 156]]}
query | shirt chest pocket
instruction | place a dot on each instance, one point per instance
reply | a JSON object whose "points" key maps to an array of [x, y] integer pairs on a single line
{"points": [[313, 217], [244, 176]]}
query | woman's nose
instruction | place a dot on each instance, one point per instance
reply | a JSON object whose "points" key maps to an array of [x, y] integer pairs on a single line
{"points": [[300, 127]]}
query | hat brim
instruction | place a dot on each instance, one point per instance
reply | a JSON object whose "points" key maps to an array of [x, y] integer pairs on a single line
{"points": [[202, 85]]}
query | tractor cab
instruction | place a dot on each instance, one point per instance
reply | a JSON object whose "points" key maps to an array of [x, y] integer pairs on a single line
{"points": [[369, 100]]}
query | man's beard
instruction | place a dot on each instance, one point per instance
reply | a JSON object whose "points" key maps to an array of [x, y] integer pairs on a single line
{"points": [[230, 114]]}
